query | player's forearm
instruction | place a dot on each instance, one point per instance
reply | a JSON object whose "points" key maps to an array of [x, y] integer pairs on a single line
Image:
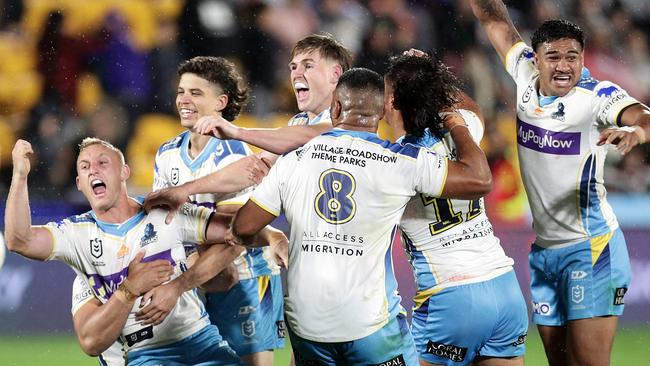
{"points": [[281, 140], [210, 263], [248, 221], [232, 178], [473, 177], [100, 326], [18, 218], [494, 18], [266, 236]]}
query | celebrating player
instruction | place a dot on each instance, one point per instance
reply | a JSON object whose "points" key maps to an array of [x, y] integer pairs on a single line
{"points": [[342, 305], [579, 264], [104, 245], [248, 312], [468, 305]]}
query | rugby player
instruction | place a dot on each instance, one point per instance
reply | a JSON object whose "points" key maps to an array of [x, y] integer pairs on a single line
{"points": [[579, 264]]}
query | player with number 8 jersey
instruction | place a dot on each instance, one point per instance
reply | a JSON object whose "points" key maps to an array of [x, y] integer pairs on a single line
{"points": [[343, 208]]}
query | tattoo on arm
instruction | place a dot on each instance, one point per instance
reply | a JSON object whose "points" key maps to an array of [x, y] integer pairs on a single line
{"points": [[496, 11]]}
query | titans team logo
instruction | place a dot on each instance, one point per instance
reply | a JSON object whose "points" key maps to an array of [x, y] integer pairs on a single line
{"points": [[175, 176], [96, 248], [150, 235], [559, 114]]}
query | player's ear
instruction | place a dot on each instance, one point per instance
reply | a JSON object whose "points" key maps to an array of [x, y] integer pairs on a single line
{"points": [[337, 71], [125, 173], [222, 102], [77, 182], [335, 110]]}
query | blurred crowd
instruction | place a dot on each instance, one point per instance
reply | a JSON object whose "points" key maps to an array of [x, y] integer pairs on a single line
{"points": [[107, 68]]}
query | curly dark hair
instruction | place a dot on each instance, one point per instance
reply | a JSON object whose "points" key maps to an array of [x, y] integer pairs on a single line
{"points": [[554, 29], [223, 73], [422, 88], [327, 46]]}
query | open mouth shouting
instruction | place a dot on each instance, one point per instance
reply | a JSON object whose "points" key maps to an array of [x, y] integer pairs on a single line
{"points": [[98, 187], [562, 80], [302, 91]]}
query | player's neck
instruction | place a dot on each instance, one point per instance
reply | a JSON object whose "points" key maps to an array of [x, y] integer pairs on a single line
{"points": [[197, 144], [125, 208]]}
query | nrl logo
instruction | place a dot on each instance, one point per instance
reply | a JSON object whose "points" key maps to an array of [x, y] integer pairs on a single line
{"points": [[96, 249], [175, 176]]}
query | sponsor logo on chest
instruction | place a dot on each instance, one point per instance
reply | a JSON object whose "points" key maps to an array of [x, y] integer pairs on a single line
{"points": [[547, 141]]}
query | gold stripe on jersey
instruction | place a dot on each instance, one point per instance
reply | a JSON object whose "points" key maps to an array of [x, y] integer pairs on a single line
{"points": [[262, 285], [598, 245], [264, 207], [422, 296]]}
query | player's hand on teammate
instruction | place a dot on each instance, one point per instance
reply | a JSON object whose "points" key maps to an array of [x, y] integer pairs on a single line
{"points": [[415, 52], [280, 251], [158, 303], [172, 198], [257, 168], [21, 155], [624, 138], [216, 126], [143, 276]]}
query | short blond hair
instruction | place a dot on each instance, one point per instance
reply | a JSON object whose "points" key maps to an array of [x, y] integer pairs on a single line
{"points": [[89, 141]]}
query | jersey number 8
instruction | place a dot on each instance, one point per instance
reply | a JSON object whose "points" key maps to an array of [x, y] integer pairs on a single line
{"points": [[334, 202]]}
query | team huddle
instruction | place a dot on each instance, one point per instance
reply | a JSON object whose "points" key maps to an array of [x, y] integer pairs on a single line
{"points": [[190, 274]]}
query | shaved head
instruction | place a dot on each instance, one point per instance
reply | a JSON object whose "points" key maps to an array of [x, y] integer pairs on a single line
{"points": [[358, 101]]}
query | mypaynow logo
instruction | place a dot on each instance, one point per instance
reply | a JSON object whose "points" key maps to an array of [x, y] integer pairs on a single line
{"points": [[547, 141]]}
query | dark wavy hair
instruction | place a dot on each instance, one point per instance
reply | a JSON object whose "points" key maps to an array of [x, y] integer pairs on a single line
{"points": [[422, 88], [224, 74], [554, 29]]}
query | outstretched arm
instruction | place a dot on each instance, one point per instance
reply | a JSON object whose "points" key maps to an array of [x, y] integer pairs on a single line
{"points": [[274, 140], [494, 18], [234, 177], [21, 237]]}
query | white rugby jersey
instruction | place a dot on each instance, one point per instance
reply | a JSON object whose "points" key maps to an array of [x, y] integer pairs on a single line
{"points": [[449, 242], [561, 165], [101, 252], [174, 167], [302, 119], [343, 194], [81, 294]]}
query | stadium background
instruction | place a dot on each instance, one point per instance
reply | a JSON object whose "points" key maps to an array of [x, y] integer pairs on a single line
{"points": [[106, 68]]}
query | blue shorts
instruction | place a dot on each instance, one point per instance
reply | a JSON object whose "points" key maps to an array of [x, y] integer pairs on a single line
{"points": [[580, 281], [250, 316], [459, 323], [204, 348], [390, 345]]}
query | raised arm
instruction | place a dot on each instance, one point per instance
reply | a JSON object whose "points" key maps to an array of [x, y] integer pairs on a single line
{"points": [[98, 325], [235, 177], [494, 18], [469, 177], [20, 236], [274, 140]]}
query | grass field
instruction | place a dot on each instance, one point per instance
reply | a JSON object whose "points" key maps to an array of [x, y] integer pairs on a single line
{"points": [[631, 348]]}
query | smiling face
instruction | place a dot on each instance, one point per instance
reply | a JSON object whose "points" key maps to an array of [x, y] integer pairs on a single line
{"points": [[101, 176], [197, 97], [314, 79], [560, 66]]}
